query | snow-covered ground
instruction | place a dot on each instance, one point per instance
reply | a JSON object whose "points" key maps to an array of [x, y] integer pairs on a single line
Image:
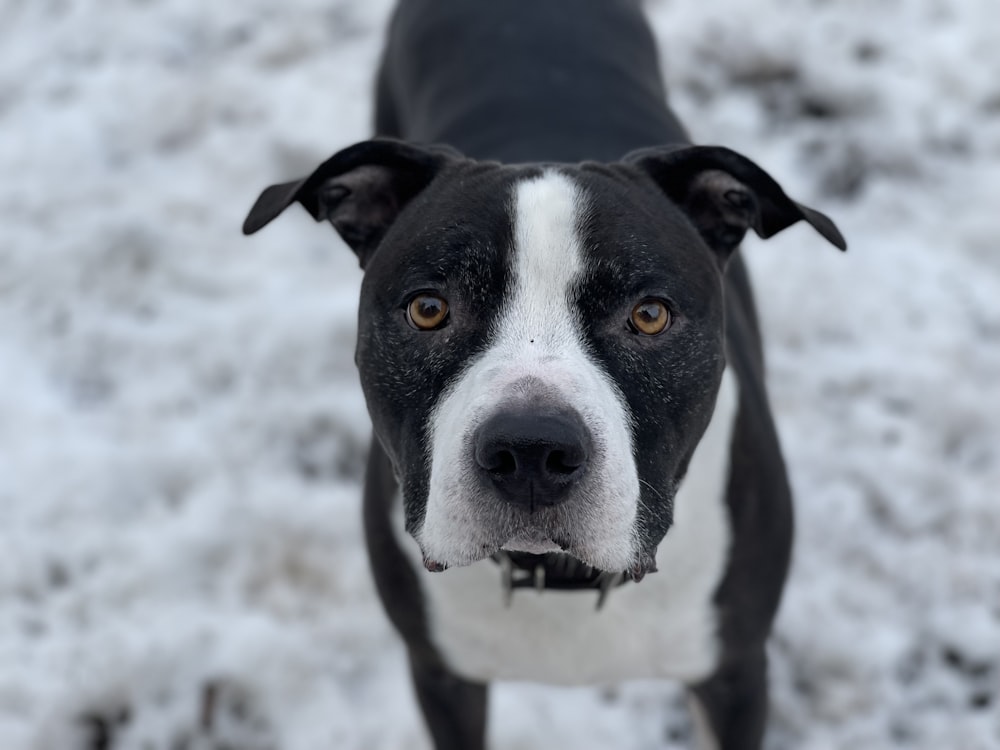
{"points": [[181, 430]]}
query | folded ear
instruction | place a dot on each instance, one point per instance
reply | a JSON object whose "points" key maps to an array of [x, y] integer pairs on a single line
{"points": [[724, 194], [359, 190]]}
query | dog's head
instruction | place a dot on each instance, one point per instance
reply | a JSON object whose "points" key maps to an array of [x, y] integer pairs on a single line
{"points": [[540, 347]]}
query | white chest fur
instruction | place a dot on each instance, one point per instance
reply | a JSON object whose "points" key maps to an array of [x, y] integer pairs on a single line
{"points": [[664, 626]]}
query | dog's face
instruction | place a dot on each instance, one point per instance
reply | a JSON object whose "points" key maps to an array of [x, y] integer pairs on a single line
{"points": [[540, 347], [540, 351]]}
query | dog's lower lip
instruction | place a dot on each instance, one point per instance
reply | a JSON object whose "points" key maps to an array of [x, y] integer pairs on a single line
{"points": [[535, 546], [434, 566]]}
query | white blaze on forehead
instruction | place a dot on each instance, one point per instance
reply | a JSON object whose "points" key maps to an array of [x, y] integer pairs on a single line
{"points": [[537, 353], [547, 261]]}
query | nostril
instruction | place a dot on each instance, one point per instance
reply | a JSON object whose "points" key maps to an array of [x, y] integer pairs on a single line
{"points": [[561, 462], [504, 463], [496, 460]]}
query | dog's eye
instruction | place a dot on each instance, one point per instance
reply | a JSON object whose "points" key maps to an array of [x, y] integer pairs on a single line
{"points": [[426, 312], [650, 317]]}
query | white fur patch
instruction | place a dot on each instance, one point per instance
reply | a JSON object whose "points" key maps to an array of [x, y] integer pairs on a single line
{"points": [[537, 353], [664, 626]]}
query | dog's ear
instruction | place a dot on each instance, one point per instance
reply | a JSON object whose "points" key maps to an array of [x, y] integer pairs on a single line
{"points": [[359, 190], [724, 194]]}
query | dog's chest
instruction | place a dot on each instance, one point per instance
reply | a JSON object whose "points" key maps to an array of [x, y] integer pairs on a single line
{"points": [[664, 626]]}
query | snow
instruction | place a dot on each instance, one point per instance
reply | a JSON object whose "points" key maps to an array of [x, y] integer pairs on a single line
{"points": [[181, 429]]}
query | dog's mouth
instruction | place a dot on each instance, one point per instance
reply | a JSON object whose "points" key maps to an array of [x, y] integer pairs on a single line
{"points": [[557, 571], [542, 560]]}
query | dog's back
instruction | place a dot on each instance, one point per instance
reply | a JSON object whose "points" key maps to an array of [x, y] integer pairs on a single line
{"points": [[520, 81]]}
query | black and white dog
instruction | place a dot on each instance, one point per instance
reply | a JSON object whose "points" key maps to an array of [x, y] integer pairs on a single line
{"points": [[562, 363]]}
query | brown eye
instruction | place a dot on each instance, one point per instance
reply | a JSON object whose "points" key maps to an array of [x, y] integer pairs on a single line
{"points": [[426, 312], [650, 317]]}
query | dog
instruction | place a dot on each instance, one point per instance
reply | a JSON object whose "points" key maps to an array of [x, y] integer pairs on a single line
{"points": [[574, 476]]}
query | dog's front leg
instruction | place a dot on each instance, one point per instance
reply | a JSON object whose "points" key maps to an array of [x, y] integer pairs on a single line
{"points": [[454, 709], [731, 705]]}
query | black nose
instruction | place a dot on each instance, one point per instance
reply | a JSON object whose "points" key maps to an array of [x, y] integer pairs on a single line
{"points": [[533, 459]]}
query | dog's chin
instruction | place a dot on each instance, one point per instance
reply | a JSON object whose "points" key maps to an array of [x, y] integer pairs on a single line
{"points": [[537, 548], [532, 545]]}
